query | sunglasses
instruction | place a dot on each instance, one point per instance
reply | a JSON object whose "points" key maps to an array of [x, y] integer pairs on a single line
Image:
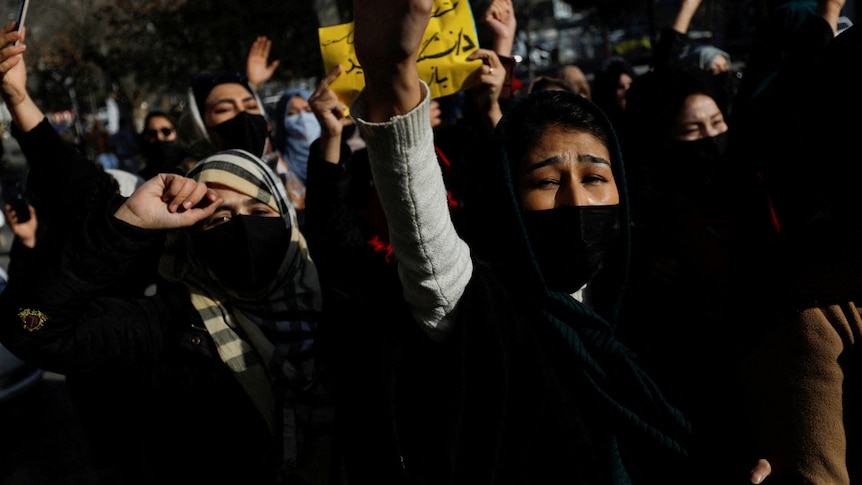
{"points": [[152, 133]]}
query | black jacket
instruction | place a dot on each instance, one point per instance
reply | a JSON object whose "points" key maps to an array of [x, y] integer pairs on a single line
{"points": [[156, 400]]}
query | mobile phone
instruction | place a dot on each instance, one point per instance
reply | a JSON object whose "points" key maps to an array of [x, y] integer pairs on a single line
{"points": [[13, 194], [22, 14], [509, 64]]}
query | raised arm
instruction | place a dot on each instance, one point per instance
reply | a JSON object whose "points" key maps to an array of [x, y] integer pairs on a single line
{"points": [[329, 112], [830, 10], [13, 87], [673, 40], [61, 181], [258, 69], [393, 113], [168, 201], [387, 38], [492, 76], [500, 18], [682, 21]]}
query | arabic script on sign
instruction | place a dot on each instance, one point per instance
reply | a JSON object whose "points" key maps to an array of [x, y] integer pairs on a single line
{"points": [[449, 39]]}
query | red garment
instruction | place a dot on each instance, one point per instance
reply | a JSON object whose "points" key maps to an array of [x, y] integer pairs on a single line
{"points": [[374, 212]]}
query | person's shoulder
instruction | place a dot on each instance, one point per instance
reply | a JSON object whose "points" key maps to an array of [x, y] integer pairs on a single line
{"points": [[486, 292], [127, 181]]}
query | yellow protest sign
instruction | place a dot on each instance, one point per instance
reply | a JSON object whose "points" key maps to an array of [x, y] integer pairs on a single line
{"points": [[449, 39]]}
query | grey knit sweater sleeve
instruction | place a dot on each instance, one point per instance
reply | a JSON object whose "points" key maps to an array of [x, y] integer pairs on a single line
{"points": [[434, 263]]}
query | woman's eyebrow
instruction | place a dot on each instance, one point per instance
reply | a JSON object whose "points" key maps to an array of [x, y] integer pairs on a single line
{"points": [[587, 158], [544, 163], [224, 207], [222, 101], [584, 158], [252, 201]]}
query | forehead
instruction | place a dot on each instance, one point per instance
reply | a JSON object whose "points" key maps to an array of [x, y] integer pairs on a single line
{"points": [[561, 141], [241, 175], [698, 105], [298, 102], [159, 121], [573, 73], [227, 91], [228, 193]]}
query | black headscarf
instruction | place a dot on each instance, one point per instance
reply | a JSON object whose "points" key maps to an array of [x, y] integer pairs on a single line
{"points": [[635, 406]]}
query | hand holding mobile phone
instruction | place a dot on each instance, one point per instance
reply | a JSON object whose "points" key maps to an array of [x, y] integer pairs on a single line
{"points": [[13, 194], [22, 14]]}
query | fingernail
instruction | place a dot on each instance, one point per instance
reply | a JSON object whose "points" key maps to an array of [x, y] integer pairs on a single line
{"points": [[756, 478]]}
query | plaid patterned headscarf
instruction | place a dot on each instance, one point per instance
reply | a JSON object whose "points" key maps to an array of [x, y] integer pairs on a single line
{"points": [[256, 336]]}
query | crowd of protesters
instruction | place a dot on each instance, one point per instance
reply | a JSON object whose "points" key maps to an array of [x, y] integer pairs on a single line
{"points": [[597, 278]]}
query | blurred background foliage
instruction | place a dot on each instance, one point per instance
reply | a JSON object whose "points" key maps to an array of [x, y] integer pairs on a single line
{"points": [[143, 52]]}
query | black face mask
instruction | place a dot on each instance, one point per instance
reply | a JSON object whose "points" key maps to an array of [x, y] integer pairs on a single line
{"points": [[570, 243], [697, 163], [161, 154], [244, 132], [244, 253], [729, 81]]}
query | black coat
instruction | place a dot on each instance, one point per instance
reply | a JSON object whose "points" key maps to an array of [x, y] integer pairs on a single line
{"points": [[153, 394]]}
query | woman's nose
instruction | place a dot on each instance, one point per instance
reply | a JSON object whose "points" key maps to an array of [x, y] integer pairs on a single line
{"points": [[572, 194]]}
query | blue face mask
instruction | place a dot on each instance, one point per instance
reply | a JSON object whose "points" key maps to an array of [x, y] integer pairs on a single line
{"points": [[302, 129]]}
